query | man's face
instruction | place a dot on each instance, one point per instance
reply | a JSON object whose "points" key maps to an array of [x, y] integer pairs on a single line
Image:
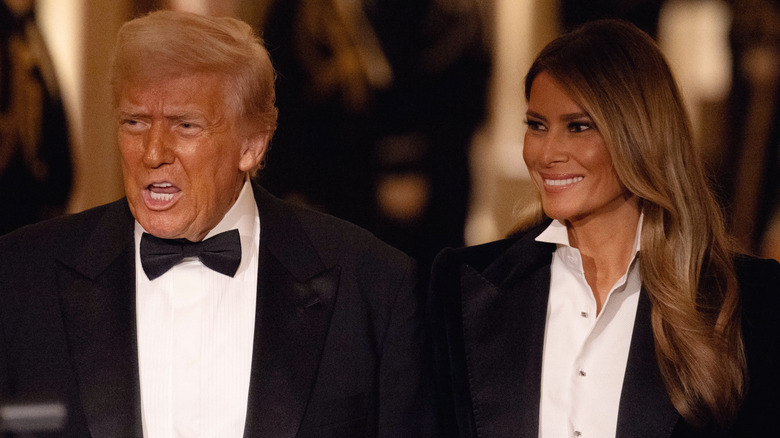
{"points": [[184, 158]]}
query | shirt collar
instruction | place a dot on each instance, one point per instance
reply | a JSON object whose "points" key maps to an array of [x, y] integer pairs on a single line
{"points": [[557, 233]]}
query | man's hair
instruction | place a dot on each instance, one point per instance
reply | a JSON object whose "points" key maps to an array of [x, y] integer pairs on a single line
{"points": [[169, 44]]}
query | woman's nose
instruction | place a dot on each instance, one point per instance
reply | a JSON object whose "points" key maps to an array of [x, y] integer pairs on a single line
{"points": [[554, 148]]}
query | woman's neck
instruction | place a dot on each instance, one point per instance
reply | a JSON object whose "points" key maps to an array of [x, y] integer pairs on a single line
{"points": [[606, 244]]}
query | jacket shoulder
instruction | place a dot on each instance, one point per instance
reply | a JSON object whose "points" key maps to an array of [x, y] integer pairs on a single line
{"points": [[759, 284], [67, 231], [481, 257], [334, 239], [757, 271]]}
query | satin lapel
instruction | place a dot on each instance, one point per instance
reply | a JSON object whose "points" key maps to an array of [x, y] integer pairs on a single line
{"points": [[503, 327], [296, 296], [645, 409], [98, 306]]}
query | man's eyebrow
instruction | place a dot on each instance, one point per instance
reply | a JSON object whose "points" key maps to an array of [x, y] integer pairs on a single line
{"points": [[131, 113], [129, 108], [179, 115], [176, 114], [183, 111]]}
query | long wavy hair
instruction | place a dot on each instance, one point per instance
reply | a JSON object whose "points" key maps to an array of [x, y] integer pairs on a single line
{"points": [[617, 74]]}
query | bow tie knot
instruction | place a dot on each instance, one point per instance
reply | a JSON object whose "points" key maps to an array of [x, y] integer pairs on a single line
{"points": [[222, 253]]}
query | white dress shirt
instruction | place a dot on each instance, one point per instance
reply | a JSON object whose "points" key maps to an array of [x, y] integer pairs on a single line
{"points": [[585, 354], [195, 334]]}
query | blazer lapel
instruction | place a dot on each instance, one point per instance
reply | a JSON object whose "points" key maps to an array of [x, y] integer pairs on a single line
{"points": [[504, 312], [296, 296], [645, 409], [98, 306]]}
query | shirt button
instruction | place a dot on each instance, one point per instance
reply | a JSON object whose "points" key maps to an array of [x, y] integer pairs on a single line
{"points": [[581, 373], [577, 433], [584, 314]]}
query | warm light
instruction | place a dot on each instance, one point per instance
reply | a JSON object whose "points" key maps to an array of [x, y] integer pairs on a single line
{"points": [[61, 23]]}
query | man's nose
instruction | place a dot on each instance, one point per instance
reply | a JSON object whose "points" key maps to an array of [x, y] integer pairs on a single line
{"points": [[158, 147]]}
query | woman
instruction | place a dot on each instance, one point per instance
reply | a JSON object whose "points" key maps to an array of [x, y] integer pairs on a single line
{"points": [[622, 310]]}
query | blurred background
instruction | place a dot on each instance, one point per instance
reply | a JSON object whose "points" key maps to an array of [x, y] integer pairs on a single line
{"points": [[404, 116]]}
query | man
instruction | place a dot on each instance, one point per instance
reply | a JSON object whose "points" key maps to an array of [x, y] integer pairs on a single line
{"points": [[282, 322]]}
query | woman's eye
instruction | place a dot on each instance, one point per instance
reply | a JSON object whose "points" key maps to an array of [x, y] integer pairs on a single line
{"points": [[533, 125], [580, 126]]}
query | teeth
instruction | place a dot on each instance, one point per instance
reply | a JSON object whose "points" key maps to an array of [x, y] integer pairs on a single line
{"points": [[161, 196], [563, 182], [162, 185]]}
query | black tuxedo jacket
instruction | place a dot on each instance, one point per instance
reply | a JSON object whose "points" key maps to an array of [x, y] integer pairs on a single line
{"points": [[337, 348], [488, 309]]}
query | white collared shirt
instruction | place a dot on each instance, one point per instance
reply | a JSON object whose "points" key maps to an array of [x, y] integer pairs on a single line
{"points": [[585, 354], [195, 334]]}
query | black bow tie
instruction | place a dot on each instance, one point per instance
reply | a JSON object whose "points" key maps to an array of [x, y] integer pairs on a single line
{"points": [[221, 253]]}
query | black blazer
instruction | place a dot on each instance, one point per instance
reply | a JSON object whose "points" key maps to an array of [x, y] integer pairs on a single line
{"points": [[337, 349], [488, 308]]}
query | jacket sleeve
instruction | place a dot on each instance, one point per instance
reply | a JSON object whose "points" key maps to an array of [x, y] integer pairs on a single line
{"points": [[451, 390], [405, 394], [759, 284]]}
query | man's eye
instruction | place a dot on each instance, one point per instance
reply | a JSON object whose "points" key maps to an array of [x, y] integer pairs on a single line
{"points": [[132, 124], [189, 127]]}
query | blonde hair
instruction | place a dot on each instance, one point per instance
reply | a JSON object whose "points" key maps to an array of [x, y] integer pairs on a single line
{"points": [[616, 73], [167, 44]]}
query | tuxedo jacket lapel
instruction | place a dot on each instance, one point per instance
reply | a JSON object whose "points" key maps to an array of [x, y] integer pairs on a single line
{"points": [[504, 312], [296, 296], [503, 327], [645, 409], [98, 305]]}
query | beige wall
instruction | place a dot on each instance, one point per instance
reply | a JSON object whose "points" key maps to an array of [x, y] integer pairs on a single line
{"points": [[80, 35], [500, 179]]}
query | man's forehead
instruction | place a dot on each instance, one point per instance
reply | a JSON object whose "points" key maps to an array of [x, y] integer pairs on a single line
{"points": [[159, 82], [169, 109], [184, 94]]}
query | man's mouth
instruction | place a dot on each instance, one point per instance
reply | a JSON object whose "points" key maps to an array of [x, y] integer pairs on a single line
{"points": [[162, 192]]}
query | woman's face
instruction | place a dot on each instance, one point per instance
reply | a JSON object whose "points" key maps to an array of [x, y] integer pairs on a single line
{"points": [[567, 157]]}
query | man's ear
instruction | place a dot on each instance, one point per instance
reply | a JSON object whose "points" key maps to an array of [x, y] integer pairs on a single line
{"points": [[253, 150]]}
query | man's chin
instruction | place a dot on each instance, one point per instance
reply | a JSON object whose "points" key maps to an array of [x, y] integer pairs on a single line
{"points": [[156, 224]]}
